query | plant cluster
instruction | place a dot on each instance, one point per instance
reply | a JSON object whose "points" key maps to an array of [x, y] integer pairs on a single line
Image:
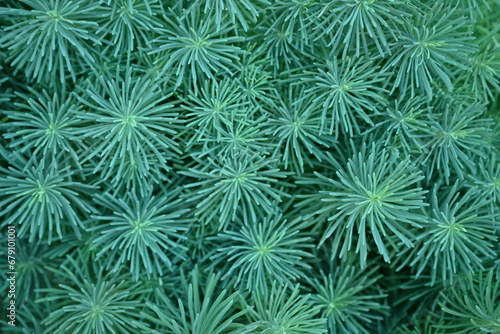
{"points": [[251, 166]]}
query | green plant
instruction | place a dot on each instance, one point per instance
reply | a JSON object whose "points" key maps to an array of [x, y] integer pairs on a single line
{"points": [[430, 47], [198, 45], [377, 194], [297, 131], [50, 37], [234, 185], [487, 181], [32, 259], [348, 299], [456, 137], [242, 12], [264, 252], [345, 90], [45, 126], [405, 124], [365, 27], [249, 166], [458, 236], [285, 311], [485, 72], [211, 112], [130, 123], [104, 304], [204, 310], [44, 198], [146, 231], [472, 306], [128, 25]]}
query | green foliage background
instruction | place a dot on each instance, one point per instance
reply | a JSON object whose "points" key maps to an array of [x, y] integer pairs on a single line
{"points": [[251, 166]]}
